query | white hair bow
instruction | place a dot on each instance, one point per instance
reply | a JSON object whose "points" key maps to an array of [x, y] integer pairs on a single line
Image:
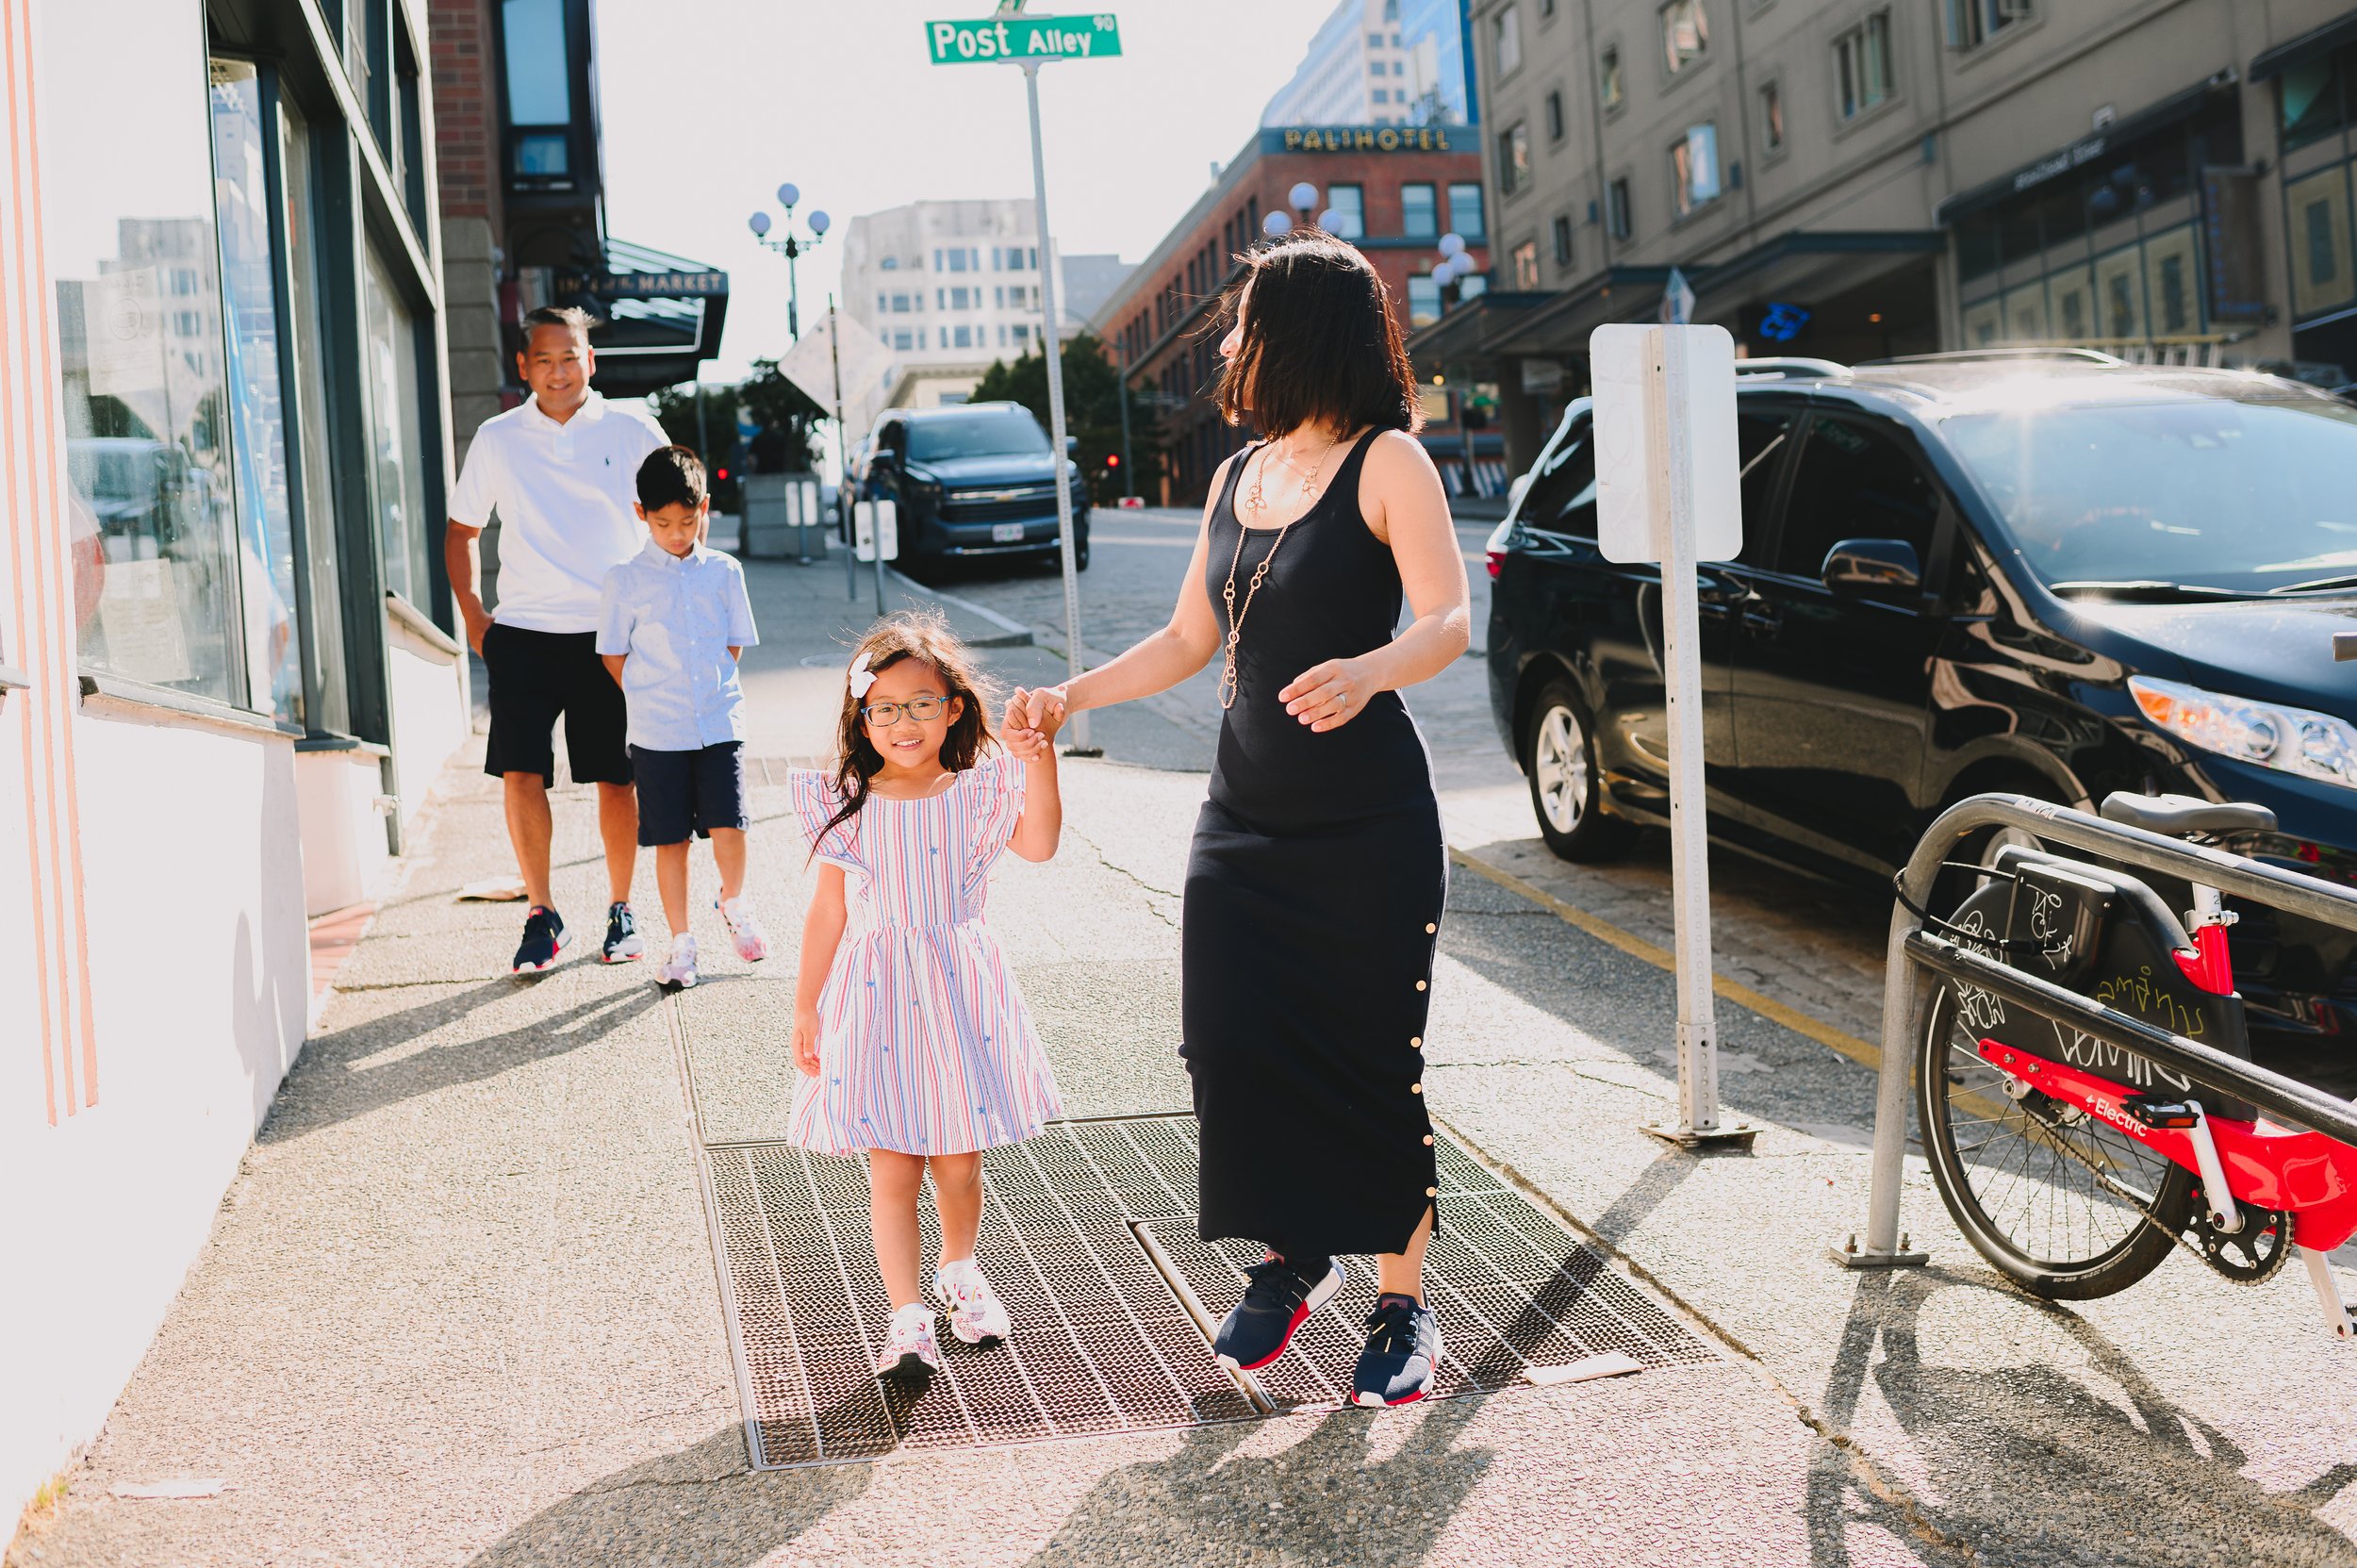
{"points": [[862, 678]]}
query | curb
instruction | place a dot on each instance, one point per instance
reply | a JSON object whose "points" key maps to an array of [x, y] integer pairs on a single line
{"points": [[1011, 633]]}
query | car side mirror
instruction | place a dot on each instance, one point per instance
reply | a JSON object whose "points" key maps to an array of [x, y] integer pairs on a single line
{"points": [[1874, 569]]}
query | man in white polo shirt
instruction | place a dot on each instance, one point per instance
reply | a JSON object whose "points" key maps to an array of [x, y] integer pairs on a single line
{"points": [[561, 472]]}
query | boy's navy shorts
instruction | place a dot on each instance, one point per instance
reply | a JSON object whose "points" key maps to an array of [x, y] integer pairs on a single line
{"points": [[689, 792]]}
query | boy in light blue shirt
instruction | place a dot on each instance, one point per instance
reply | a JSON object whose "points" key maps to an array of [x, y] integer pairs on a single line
{"points": [[671, 624]]}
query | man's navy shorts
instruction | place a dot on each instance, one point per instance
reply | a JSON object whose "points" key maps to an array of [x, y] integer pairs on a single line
{"points": [[535, 677], [684, 792]]}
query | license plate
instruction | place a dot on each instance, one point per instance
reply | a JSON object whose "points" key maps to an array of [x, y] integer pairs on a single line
{"points": [[1006, 533]]}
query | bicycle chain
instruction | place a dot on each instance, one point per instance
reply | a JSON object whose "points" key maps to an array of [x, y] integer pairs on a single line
{"points": [[2182, 1238]]}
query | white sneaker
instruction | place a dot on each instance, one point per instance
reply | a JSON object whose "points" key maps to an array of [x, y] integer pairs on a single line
{"points": [[976, 1313], [910, 1348], [753, 943], [679, 971]]}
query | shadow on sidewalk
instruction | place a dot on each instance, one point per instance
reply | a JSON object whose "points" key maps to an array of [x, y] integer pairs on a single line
{"points": [[335, 1081], [2117, 1472]]}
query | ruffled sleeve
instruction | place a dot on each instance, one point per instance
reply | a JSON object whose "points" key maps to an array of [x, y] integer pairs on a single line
{"points": [[815, 802], [994, 805]]}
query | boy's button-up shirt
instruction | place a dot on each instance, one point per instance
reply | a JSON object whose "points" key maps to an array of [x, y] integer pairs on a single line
{"points": [[563, 493], [677, 617]]}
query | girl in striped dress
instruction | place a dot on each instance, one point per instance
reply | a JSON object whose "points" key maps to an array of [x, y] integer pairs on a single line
{"points": [[914, 1045]]}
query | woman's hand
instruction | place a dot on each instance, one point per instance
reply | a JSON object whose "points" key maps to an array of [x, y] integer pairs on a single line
{"points": [[1044, 709], [807, 1040], [1329, 695]]}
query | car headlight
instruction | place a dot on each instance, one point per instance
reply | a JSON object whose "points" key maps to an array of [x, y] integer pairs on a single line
{"points": [[2293, 740]]}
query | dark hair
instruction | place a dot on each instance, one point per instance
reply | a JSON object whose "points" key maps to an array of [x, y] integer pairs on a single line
{"points": [[912, 634], [672, 476], [571, 317], [1321, 342]]}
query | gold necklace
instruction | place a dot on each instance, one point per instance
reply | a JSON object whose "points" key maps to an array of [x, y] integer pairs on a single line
{"points": [[1258, 502]]}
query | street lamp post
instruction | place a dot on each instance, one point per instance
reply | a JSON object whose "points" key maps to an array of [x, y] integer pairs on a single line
{"points": [[1455, 263], [790, 246]]}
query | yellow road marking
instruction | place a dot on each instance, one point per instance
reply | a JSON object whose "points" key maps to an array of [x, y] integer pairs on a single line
{"points": [[1659, 957]]}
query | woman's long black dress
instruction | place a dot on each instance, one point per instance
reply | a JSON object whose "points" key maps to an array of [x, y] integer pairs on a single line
{"points": [[1313, 899]]}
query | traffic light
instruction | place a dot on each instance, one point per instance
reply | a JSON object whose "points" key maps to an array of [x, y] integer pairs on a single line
{"points": [[1112, 460], [720, 475]]}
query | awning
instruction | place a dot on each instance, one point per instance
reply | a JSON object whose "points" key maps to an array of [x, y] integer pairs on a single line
{"points": [[2316, 41], [1456, 337], [1562, 324], [1804, 261], [2119, 133], [660, 316]]}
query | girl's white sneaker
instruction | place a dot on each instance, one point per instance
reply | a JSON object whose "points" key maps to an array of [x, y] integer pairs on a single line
{"points": [[678, 971], [977, 1315], [745, 929], [910, 1349]]}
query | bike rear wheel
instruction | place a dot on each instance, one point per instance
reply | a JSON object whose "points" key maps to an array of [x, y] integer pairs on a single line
{"points": [[2043, 1190]]}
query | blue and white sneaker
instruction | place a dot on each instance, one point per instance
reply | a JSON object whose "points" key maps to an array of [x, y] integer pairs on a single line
{"points": [[544, 939], [622, 942], [1278, 1297], [1403, 1349]]}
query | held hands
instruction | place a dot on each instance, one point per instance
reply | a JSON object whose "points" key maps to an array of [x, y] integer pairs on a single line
{"points": [[806, 1041], [1328, 696], [1031, 722]]}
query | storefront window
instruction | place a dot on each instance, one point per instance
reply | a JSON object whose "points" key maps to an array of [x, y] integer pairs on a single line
{"points": [[132, 248], [329, 701], [394, 435], [257, 411]]}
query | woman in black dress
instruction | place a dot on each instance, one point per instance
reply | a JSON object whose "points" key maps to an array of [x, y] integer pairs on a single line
{"points": [[1314, 890]]}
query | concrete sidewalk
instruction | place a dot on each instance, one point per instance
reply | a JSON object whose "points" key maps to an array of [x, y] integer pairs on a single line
{"points": [[461, 1306]]}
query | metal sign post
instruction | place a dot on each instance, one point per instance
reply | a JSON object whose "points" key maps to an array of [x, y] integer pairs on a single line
{"points": [[1667, 490], [1027, 41]]}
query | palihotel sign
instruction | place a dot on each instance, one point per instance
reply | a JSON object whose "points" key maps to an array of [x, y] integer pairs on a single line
{"points": [[1360, 138]]}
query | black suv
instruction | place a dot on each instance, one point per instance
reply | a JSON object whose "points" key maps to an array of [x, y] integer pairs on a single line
{"points": [[2053, 574], [973, 480]]}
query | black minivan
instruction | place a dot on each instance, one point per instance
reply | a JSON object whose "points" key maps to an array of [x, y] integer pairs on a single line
{"points": [[2049, 571], [974, 481]]}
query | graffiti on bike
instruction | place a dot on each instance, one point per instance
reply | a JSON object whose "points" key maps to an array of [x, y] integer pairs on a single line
{"points": [[2102, 1056], [1976, 1009], [2139, 994]]}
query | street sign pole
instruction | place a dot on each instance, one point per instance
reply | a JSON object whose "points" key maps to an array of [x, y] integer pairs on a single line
{"points": [[843, 479], [1667, 491], [1051, 342]]}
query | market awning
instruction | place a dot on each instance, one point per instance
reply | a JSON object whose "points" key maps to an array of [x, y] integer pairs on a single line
{"points": [[2316, 40], [1806, 261], [660, 316], [1458, 335], [1562, 324]]}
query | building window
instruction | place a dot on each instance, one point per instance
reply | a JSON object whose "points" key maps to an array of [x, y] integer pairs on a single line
{"points": [[1684, 33], [1974, 22], [1616, 208], [1554, 116], [1694, 168], [1507, 28], [2312, 101], [327, 697], [396, 437], [1862, 65], [2318, 207], [1513, 160], [889, 264], [1464, 212], [1423, 300], [1609, 73], [1382, 95], [1420, 212], [1347, 206], [1526, 265], [1562, 231], [539, 89], [1771, 117]]}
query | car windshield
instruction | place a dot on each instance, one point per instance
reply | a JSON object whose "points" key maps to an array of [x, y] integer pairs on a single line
{"points": [[2249, 497], [983, 433]]}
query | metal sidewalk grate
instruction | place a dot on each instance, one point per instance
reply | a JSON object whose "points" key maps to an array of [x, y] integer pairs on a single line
{"points": [[1071, 1223]]}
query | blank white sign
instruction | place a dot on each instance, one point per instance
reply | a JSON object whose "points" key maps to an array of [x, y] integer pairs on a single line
{"points": [[871, 519], [1662, 392]]}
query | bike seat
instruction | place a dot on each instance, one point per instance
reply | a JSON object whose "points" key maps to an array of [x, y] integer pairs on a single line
{"points": [[2179, 816]]}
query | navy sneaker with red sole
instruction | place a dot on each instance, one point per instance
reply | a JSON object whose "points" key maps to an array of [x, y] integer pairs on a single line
{"points": [[545, 937], [1278, 1297], [1403, 1350]]}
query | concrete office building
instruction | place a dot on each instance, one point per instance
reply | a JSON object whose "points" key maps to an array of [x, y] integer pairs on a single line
{"points": [[2167, 179], [226, 675]]}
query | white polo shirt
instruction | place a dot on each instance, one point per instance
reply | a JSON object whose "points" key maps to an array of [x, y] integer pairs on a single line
{"points": [[565, 494]]}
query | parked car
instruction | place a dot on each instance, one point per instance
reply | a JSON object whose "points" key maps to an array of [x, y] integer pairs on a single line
{"points": [[974, 481], [2051, 574]]}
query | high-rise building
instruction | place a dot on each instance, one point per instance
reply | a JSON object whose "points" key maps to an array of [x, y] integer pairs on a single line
{"points": [[1380, 62]]}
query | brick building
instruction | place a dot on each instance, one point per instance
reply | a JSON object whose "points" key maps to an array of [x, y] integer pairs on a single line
{"points": [[1392, 191]]}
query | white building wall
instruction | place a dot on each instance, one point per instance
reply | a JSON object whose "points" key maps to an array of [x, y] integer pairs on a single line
{"points": [[895, 254]]}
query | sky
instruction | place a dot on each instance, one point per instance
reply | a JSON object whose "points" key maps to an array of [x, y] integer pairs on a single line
{"points": [[708, 105]]}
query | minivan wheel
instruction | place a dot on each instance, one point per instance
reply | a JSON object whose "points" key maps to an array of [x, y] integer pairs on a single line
{"points": [[1566, 789]]}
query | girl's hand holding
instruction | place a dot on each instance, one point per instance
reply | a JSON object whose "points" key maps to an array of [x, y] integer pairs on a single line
{"points": [[806, 1041], [1044, 710], [1025, 743], [1329, 695]]}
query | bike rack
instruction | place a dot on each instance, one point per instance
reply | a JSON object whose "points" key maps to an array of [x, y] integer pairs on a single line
{"points": [[1914, 951]]}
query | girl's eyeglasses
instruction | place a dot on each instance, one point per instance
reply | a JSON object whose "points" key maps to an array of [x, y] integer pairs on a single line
{"points": [[923, 709]]}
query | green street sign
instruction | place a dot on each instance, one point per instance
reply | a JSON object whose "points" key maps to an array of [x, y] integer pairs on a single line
{"points": [[1024, 38]]}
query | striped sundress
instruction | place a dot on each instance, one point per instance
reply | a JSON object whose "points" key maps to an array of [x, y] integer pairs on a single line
{"points": [[923, 1044]]}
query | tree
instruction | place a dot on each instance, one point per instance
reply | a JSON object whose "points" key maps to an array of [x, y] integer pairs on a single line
{"points": [[1092, 411], [785, 417]]}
